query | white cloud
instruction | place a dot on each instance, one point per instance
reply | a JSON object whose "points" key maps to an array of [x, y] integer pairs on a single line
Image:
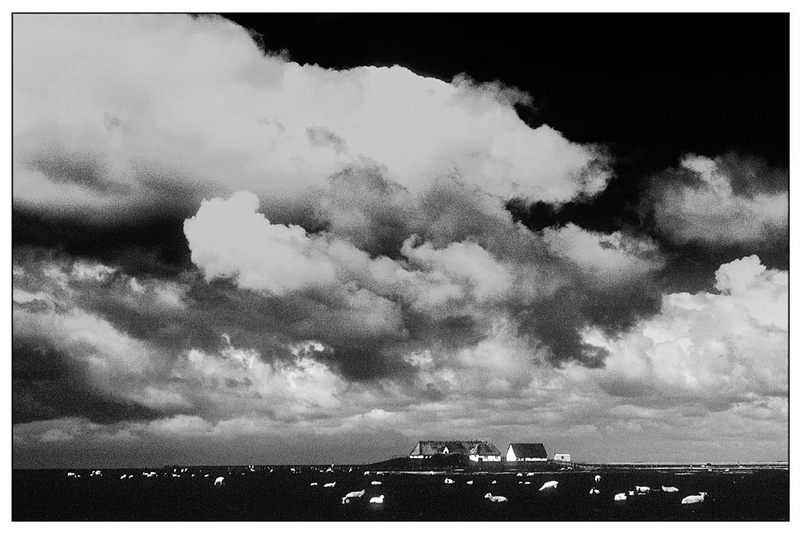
{"points": [[228, 238], [727, 347], [711, 211], [121, 109], [606, 259]]}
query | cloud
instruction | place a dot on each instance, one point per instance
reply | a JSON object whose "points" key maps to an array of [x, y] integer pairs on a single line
{"points": [[726, 347], [607, 259], [721, 202], [127, 115]]}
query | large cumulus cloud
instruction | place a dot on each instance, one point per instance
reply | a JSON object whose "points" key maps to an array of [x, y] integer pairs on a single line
{"points": [[121, 113]]}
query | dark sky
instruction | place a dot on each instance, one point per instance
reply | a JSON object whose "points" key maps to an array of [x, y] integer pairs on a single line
{"points": [[230, 236]]}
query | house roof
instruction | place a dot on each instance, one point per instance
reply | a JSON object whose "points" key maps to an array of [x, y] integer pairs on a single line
{"points": [[464, 447], [529, 449], [484, 448]]}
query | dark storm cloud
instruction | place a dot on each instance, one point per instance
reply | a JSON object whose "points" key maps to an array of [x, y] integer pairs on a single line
{"points": [[48, 384], [152, 245]]}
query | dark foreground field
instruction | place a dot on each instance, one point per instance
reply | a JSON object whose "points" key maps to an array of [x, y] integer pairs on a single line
{"points": [[277, 493]]}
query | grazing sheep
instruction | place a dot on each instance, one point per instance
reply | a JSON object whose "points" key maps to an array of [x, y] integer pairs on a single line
{"points": [[668, 489], [448, 481], [593, 491], [549, 485], [71, 474], [314, 484], [377, 483], [376, 499], [495, 499], [219, 481], [527, 482], [519, 475], [642, 490], [329, 485], [494, 482], [354, 494], [470, 482], [694, 498], [621, 497], [597, 479], [366, 472]]}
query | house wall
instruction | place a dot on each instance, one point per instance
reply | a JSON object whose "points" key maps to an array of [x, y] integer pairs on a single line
{"points": [[510, 455], [492, 458]]}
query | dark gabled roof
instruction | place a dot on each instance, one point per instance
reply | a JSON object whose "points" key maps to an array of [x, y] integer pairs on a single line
{"points": [[529, 449], [484, 448]]}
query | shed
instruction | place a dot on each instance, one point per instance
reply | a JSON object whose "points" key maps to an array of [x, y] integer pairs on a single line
{"points": [[526, 451], [565, 457]]}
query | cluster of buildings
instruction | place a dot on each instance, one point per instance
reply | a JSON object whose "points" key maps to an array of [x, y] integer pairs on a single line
{"points": [[484, 451]]}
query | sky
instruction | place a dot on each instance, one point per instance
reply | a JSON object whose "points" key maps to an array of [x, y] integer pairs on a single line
{"points": [[263, 239]]}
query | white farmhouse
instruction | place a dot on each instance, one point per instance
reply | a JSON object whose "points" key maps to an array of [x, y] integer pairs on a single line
{"points": [[526, 451]]}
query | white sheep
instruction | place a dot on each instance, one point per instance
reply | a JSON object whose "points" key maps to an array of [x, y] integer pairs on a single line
{"points": [[495, 499], [668, 489], [593, 491], [494, 482], [694, 498], [597, 479], [470, 482], [621, 497], [219, 481], [519, 475], [354, 494], [314, 484], [376, 499], [448, 481], [329, 485], [377, 483], [642, 489], [549, 485]]}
